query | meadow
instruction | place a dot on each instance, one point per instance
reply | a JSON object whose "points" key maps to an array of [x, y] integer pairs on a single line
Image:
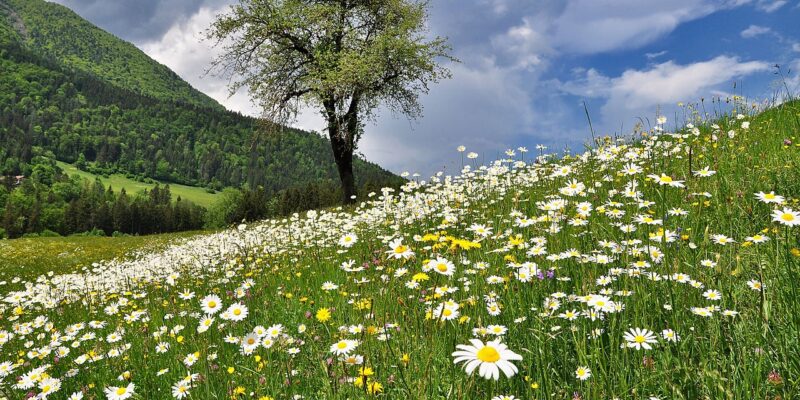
{"points": [[195, 194], [659, 266]]}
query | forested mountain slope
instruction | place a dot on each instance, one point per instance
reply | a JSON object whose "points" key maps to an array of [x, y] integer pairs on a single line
{"points": [[69, 90]]}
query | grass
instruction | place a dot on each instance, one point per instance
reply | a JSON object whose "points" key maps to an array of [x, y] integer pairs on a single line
{"points": [[194, 194], [559, 261], [27, 258]]}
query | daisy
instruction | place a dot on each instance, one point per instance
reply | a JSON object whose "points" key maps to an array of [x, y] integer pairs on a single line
{"points": [[770, 197], [712, 295], [180, 390], [705, 172], [399, 250], [251, 341], [211, 304], [583, 373], [236, 312], [666, 180], [343, 347], [489, 359], [786, 217], [442, 266], [120, 392], [757, 238], [640, 338], [348, 240], [721, 239], [670, 335], [755, 285]]}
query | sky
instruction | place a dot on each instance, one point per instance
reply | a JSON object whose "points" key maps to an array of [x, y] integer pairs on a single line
{"points": [[526, 68]]}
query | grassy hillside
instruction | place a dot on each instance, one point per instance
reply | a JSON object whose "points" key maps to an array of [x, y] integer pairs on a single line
{"points": [[58, 32], [662, 268], [197, 195]]}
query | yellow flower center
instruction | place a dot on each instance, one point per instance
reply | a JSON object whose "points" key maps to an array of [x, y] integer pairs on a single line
{"points": [[400, 249], [488, 354], [769, 196], [639, 339], [442, 267], [121, 391], [342, 345], [787, 217], [666, 179], [237, 311], [447, 312], [212, 304]]}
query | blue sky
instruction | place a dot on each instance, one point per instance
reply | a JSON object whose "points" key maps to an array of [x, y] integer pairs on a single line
{"points": [[527, 67]]}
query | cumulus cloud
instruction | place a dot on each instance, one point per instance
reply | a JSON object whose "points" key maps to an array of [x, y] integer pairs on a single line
{"points": [[753, 31], [639, 92], [139, 20], [598, 26], [483, 108]]}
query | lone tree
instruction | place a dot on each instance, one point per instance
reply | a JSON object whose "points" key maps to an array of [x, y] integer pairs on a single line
{"points": [[343, 57]]}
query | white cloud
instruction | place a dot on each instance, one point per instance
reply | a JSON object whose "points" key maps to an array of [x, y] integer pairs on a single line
{"points": [[651, 56], [483, 108], [523, 44], [640, 92], [796, 47], [598, 26], [770, 6], [183, 50], [754, 30]]}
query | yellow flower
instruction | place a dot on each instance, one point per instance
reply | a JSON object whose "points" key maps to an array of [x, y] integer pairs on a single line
{"points": [[420, 276], [323, 315], [231, 370], [374, 387]]}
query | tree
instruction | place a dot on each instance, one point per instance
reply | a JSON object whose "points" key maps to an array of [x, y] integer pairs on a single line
{"points": [[342, 57]]}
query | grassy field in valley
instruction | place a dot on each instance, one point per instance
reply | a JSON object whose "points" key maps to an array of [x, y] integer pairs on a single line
{"points": [[194, 194], [27, 258], [665, 267]]}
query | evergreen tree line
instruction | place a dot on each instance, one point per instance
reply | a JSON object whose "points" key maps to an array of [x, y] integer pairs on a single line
{"points": [[50, 203]]}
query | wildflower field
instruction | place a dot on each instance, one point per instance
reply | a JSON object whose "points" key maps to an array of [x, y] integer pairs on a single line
{"points": [[665, 267]]}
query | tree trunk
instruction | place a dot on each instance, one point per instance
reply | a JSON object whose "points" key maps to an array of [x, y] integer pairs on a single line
{"points": [[343, 154], [342, 135]]}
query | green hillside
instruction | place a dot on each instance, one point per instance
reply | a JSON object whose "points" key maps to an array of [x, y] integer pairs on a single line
{"points": [[197, 195], [59, 33]]}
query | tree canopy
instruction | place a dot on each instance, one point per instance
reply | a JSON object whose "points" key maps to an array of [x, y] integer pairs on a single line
{"points": [[342, 57]]}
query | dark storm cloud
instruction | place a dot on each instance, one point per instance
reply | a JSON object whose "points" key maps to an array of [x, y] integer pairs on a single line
{"points": [[138, 20]]}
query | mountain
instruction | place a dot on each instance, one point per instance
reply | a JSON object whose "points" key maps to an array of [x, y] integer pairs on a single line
{"points": [[73, 92], [57, 32]]}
